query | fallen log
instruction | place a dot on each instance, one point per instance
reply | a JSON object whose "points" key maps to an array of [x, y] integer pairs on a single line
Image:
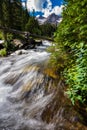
{"points": [[26, 34]]}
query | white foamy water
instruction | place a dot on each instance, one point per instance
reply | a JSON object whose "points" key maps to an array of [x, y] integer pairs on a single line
{"points": [[4, 93], [21, 80]]}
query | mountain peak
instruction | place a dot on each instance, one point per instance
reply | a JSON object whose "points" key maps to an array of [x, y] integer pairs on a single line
{"points": [[52, 18]]}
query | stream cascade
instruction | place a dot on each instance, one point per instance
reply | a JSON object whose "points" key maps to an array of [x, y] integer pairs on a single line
{"points": [[31, 97]]}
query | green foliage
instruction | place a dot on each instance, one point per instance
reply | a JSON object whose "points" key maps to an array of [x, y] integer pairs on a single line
{"points": [[47, 29], [71, 38], [9, 46], [13, 15], [33, 26], [3, 52], [58, 60], [25, 18], [1, 36], [10, 36], [1, 13], [77, 77]]}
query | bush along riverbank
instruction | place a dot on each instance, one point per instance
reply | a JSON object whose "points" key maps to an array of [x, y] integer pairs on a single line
{"points": [[69, 55]]}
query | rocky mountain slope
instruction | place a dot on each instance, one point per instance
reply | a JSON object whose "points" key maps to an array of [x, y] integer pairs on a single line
{"points": [[53, 19]]}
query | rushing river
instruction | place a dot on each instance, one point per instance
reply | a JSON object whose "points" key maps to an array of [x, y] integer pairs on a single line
{"points": [[30, 98]]}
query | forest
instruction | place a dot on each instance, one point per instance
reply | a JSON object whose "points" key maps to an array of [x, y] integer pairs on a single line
{"points": [[14, 16]]}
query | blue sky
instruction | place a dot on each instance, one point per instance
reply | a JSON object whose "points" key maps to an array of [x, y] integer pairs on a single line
{"points": [[45, 7]]}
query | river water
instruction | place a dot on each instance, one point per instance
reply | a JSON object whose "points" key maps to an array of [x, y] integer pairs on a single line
{"points": [[30, 98]]}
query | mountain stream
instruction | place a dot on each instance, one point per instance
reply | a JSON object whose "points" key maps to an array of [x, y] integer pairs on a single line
{"points": [[30, 98]]}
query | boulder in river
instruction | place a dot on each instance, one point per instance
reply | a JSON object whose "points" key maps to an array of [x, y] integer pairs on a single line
{"points": [[18, 43], [20, 52], [38, 42], [29, 44]]}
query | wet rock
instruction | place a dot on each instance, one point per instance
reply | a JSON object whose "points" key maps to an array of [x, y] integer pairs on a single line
{"points": [[38, 42], [20, 52], [11, 79], [18, 43], [29, 44]]}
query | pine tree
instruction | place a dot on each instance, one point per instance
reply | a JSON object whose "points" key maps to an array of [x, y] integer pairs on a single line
{"points": [[13, 15], [16, 14], [33, 26], [1, 12], [25, 18]]}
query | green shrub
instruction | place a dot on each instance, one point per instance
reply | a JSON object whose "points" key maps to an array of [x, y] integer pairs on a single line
{"points": [[71, 43], [77, 77], [10, 36], [3, 52], [9, 46], [47, 29]]}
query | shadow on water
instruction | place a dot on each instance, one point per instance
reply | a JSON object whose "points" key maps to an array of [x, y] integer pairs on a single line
{"points": [[31, 98]]}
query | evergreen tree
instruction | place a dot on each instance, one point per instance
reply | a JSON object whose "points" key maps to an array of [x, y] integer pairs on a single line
{"points": [[13, 15], [33, 26], [47, 29], [1, 12], [25, 18], [16, 14]]}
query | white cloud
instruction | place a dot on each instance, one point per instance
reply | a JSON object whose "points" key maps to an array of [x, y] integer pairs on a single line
{"points": [[23, 4], [57, 10], [37, 5], [49, 5]]}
